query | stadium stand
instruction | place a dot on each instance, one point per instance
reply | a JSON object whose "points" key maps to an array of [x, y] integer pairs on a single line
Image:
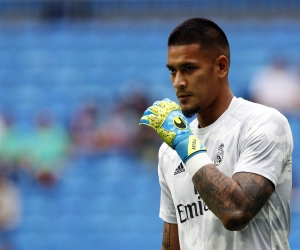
{"points": [[110, 201]]}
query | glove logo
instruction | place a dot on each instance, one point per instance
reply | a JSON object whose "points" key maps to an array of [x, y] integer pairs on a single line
{"points": [[179, 123]]}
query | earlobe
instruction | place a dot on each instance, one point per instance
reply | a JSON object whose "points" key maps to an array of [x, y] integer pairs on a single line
{"points": [[223, 66]]}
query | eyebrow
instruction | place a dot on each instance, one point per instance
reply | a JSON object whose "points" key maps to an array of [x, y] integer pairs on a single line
{"points": [[181, 65]]}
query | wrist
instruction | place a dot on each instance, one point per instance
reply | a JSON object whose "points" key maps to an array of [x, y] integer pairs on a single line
{"points": [[197, 161]]}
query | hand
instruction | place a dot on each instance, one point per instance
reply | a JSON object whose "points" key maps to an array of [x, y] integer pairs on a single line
{"points": [[166, 118]]}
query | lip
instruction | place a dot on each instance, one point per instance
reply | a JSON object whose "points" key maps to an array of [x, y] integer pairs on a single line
{"points": [[183, 96]]}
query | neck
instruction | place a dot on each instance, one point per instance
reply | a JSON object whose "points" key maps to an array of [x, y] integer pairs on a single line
{"points": [[211, 113]]}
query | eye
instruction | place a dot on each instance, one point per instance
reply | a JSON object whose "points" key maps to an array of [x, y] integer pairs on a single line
{"points": [[172, 71], [189, 68]]}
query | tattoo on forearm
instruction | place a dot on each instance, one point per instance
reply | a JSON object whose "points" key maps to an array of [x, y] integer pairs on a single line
{"points": [[166, 236], [210, 192], [237, 203], [248, 197], [257, 191]]}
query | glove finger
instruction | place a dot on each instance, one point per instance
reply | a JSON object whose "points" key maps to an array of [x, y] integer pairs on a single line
{"points": [[148, 111], [157, 103], [157, 110], [145, 118], [144, 121], [152, 121], [153, 115], [167, 104], [170, 106], [155, 121]]}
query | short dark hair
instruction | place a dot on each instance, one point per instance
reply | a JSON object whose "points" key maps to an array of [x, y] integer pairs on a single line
{"points": [[200, 31]]}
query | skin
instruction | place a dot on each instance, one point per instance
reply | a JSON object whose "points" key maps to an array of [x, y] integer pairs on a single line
{"points": [[170, 237], [200, 80]]}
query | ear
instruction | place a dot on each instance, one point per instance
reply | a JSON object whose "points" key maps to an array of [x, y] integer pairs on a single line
{"points": [[223, 66]]}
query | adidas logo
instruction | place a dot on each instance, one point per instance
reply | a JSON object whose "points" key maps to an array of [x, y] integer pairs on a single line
{"points": [[179, 169]]}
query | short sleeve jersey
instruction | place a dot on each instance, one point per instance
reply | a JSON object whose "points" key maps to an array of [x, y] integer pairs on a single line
{"points": [[247, 137]]}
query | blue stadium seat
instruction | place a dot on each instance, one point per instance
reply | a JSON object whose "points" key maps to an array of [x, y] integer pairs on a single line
{"points": [[59, 65]]}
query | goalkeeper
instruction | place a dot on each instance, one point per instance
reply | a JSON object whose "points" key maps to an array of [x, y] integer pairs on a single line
{"points": [[226, 177]]}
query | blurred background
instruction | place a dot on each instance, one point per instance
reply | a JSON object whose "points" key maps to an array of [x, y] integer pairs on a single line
{"points": [[76, 170]]}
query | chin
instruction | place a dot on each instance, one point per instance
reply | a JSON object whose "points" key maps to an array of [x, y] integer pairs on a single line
{"points": [[189, 111], [188, 114]]}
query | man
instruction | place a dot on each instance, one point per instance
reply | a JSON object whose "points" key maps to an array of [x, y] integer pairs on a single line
{"points": [[225, 178]]}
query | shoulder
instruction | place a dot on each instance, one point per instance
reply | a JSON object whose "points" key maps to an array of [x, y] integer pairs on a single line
{"points": [[168, 159], [165, 154], [245, 108], [251, 113], [260, 121], [162, 150]]}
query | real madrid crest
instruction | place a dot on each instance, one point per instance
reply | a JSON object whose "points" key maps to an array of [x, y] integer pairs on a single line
{"points": [[219, 156]]}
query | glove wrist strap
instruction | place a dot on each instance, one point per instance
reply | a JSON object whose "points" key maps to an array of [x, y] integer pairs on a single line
{"points": [[189, 146]]}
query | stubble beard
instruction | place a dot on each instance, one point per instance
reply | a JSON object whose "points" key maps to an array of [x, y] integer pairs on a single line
{"points": [[190, 112]]}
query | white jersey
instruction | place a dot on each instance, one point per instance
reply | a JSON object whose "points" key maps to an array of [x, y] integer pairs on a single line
{"points": [[248, 137]]}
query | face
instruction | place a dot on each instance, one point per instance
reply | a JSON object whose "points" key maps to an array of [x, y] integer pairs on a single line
{"points": [[194, 74]]}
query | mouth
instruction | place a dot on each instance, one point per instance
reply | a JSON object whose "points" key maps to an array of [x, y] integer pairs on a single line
{"points": [[183, 96]]}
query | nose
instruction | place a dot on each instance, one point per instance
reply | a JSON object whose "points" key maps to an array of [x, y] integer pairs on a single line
{"points": [[179, 80]]}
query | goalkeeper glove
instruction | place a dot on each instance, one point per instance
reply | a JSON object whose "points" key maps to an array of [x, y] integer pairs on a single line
{"points": [[166, 118]]}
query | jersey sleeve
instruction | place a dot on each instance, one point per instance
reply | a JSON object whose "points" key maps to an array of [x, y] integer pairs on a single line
{"points": [[167, 210], [266, 146]]}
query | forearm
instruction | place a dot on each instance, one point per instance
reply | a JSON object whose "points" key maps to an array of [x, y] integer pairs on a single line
{"points": [[222, 195], [170, 237], [235, 201]]}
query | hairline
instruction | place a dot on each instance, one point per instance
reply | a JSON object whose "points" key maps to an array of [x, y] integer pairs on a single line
{"points": [[219, 50]]}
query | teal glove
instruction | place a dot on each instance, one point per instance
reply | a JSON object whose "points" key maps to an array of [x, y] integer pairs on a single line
{"points": [[166, 118]]}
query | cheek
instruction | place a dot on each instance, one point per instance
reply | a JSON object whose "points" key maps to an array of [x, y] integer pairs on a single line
{"points": [[202, 87], [207, 83]]}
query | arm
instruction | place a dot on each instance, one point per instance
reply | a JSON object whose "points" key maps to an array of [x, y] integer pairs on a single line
{"points": [[235, 201], [170, 237]]}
